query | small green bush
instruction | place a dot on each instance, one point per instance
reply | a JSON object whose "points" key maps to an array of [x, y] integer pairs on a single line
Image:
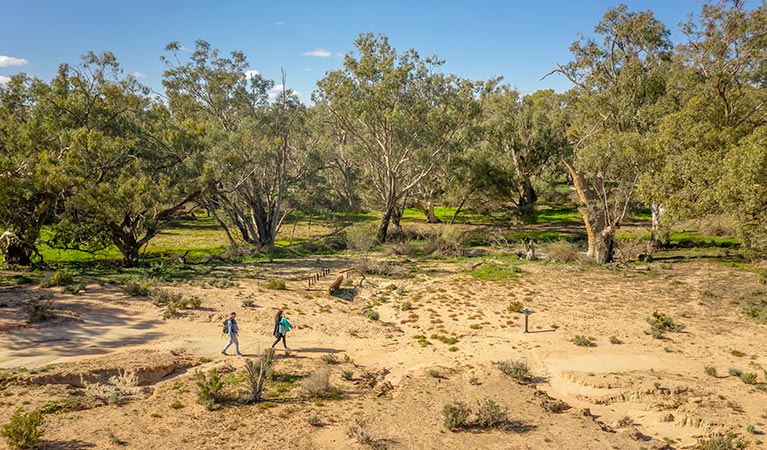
{"points": [[721, 443], [38, 311], [515, 369], [582, 341], [330, 358], [372, 314], [209, 388], [24, 430], [165, 297], [406, 306], [735, 372], [275, 284], [347, 375], [58, 278], [314, 421], [137, 288], [490, 413], [74, 288], [748, 378], [660, 323], [445, 339], [455, 415], [170, 312], [710, 371]]}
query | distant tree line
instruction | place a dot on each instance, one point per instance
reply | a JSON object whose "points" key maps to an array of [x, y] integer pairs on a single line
{"points": [[681, 130]]}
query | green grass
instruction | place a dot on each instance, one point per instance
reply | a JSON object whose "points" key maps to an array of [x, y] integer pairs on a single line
{"points": [[690, 239], [565, 214], [496, 272], [540, 236]]}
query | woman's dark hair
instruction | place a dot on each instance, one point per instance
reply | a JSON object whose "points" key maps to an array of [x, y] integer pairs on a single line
{"points": [[277, 316]]}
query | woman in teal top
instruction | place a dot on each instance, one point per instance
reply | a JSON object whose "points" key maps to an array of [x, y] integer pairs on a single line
{"points": [[281, 328]]}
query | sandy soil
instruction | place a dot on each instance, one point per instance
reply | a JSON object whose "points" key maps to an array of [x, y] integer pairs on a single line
{"points": [[109, 371]]}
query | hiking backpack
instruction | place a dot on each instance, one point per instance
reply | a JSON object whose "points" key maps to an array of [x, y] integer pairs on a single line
{"points": [[225, 330]]}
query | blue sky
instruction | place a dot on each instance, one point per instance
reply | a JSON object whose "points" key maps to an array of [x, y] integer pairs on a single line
{"points": [[519, 40]]}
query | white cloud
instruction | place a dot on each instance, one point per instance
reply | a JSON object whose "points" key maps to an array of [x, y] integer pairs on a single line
{"points": [[6, 61], [320, 52], [277, 90], [4, 80], [251, 73], [138, 75], [279, 24]]}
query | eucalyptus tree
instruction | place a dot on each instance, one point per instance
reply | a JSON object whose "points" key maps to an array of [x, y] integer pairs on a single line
{"points": [[529, 132], [618, 99], [722, 84], [29, 182], [403, 115], [129, 169], [256, 151]]}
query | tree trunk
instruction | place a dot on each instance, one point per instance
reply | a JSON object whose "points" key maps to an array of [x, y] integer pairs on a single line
{"points": [[600, 234], [527, 196], [14, 250], [659, 235], [383, 228], [428, 211]]}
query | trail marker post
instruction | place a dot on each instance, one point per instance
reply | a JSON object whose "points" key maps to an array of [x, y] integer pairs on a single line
{"points": [[527, 313]]}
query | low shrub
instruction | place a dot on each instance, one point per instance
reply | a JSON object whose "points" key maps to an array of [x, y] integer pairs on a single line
{"points": [[406, 306], [515, 369], [660, 323], [317, 384], [372, 314], [582, 341], [275, 284], [727, 442], [24, 430], [137, 288], [165, 296], [330, 358], [38, 310], [209, 388], [515, 307], [455, 415], [562, 252], [58, 278], [359, 431], [748, 378], [451, 241], [490, 413]]}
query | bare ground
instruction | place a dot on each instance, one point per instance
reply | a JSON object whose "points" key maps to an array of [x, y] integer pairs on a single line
{"points": [[109, 371]]}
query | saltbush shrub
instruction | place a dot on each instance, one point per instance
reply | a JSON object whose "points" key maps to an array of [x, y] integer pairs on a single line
{"points": [[24, 431]]}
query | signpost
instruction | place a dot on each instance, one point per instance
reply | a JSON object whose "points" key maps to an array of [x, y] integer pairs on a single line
{"points": [[527, 313]]}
